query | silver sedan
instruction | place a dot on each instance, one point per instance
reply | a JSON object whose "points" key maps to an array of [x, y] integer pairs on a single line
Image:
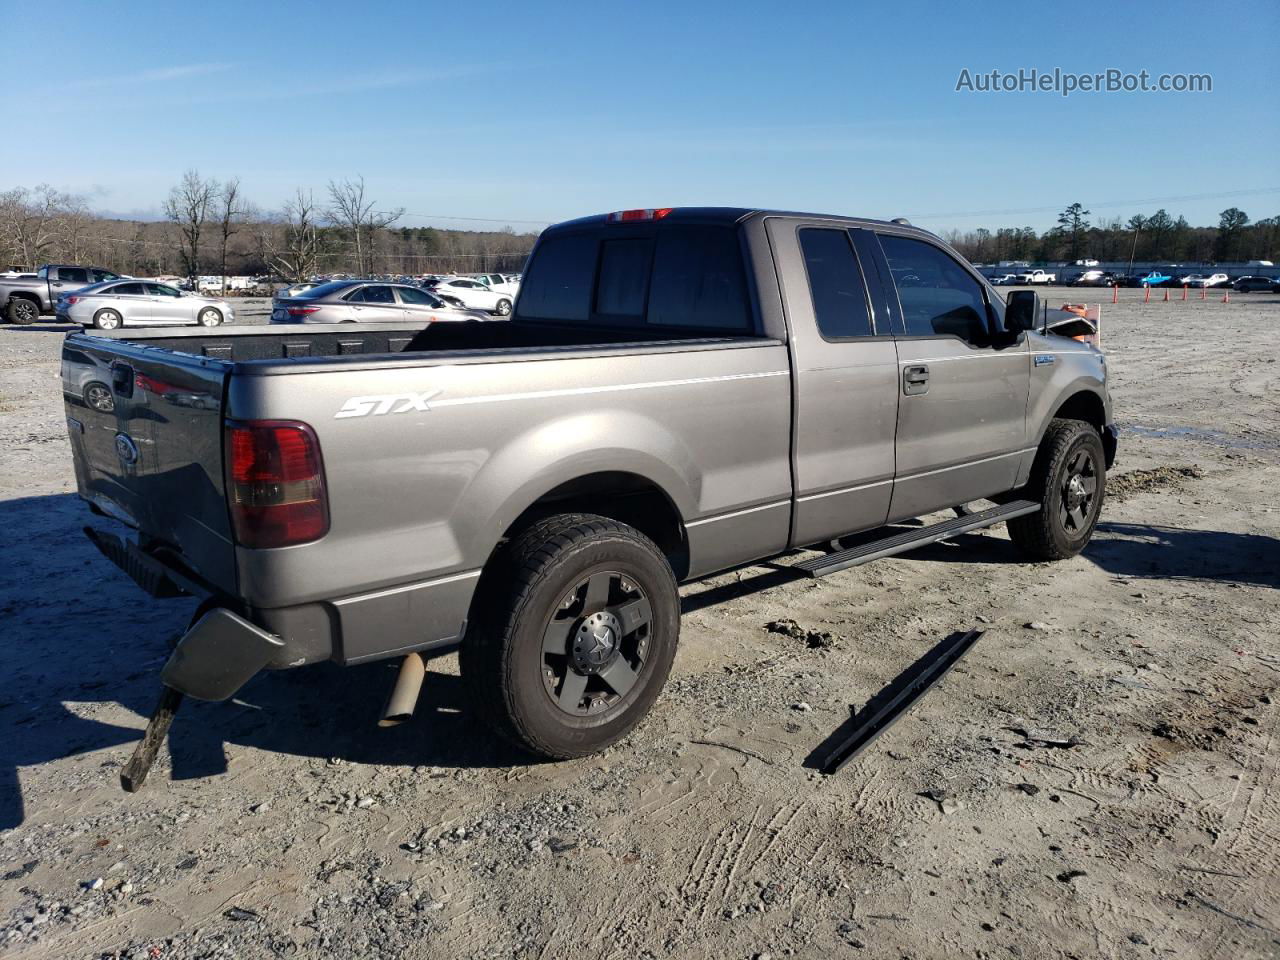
{"points": [[366, 301], [129, 303]]}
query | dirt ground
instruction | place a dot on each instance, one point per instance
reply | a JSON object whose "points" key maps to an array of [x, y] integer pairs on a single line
{"points": [[286, 824]]}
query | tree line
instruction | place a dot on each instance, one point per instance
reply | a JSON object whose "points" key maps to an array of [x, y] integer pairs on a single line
{"points": [[212, 228], [1142, 237]]}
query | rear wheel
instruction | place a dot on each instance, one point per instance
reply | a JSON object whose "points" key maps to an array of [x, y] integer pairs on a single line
{"points": [[504, 308], [107, 319], [209, 317], [22, 311], [576, 627], [1069, 480]]}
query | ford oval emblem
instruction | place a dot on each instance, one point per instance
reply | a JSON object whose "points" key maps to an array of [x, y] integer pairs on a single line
{"points": [[126, 449]]}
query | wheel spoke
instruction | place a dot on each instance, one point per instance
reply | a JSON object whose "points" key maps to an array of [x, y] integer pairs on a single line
{"points": [[571, 691], [1077, 516], [634, 615], [1075, 465], [556, 637], [597, 592], [619, 676], [1090, 484]]}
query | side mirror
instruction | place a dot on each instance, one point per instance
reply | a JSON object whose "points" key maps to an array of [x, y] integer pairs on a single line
{"points": [[1022, 311]]}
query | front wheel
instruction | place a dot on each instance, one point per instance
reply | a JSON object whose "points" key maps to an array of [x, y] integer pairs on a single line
{"points": [[209, 317], [573, 632], [22, 311], [1069, 480], [504, 308]]}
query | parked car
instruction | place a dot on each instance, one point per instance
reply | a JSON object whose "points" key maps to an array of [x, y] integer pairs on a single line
{"points": [[499, 283], [670, 399], [1006, 280], [1095, 278], [129, 303], [360, 301], [1152, 279], [1199, 280], [25, 299], [1038, 276], [474, 295], [1256, 285]]}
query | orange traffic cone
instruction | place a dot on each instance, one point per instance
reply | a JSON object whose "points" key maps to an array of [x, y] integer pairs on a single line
{"points": [[1115, 293], [1166, 294], [1184, 291], [1202, 293], [1226, 295], [1146, 296]]}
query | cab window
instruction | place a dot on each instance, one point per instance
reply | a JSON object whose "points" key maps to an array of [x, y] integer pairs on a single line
{"points": [[73, 274], [373, 295], [938, 296], [836, 284]]}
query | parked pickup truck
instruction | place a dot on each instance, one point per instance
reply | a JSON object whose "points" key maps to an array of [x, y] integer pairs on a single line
{"points": [[1039, 276], [24, 299], [678, 392]]}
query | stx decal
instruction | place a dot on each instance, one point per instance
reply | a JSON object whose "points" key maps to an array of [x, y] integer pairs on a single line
{"points": [[377, 406]]}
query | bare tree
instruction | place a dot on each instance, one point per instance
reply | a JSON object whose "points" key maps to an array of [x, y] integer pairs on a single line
{"points": [[291, 246], [232, 212], [30, 220], [188, 206], [350, 210]]}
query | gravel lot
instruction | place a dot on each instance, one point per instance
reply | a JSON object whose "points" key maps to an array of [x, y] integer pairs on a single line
{"points": [[286, 824]]}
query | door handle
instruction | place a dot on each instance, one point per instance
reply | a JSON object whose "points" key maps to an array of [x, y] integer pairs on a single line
{"points": [[915, 380]]}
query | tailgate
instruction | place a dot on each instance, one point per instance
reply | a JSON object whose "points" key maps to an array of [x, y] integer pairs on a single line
{"points": [[146, 434]]}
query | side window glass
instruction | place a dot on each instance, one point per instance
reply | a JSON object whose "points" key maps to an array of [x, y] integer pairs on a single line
{"points": [[127, 290], [836, 284], [73, 274], [160, 290], [374, 295], [938, 296]]}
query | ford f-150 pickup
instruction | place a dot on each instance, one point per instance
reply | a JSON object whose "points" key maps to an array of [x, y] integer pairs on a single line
{"points": [[678, 392]]}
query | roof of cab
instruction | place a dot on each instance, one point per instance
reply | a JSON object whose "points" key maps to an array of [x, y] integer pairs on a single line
{"points": [[729, 215]]}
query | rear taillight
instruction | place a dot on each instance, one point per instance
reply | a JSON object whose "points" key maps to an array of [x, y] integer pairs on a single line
{"points": [[275, 483], [631, 216], [71, 300], [301, 311]]}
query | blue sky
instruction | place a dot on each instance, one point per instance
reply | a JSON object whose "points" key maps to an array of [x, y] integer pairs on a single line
{"points": [[519, 111]]}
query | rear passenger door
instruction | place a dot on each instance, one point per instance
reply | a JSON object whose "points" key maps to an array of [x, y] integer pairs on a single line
{"points": [[962, 383], [375, 303], [845, 375]]}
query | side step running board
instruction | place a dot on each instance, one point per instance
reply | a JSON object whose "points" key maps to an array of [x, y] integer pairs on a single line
{"points": [[901, 543]]}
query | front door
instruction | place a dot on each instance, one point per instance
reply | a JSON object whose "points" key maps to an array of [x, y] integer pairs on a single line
{"points": [[168, 305], [845, 375], [375, 303], [962, 384]]}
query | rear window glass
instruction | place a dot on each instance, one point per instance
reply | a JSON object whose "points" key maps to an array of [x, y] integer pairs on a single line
{"points": [[324, 290], [698, 280], [624, 277], [73, 274], [559, 283], [836, 284], [674, 276]]}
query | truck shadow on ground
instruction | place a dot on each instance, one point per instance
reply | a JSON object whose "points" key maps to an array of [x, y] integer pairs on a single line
{"points": [[80, 637]]}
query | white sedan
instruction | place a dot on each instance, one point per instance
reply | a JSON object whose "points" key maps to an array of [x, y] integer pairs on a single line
{"points": [[1196, 280], [474, 295]]}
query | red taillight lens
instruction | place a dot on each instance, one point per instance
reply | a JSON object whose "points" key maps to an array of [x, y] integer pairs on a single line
{"points": [[71, 300], [275, 483], [631, 216], [300, 311], [152, 385]]}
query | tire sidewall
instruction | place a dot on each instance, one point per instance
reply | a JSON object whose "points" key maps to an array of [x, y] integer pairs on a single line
{"points": [[206, 310], [97, 321], [14, 308], [562, 733], [501, 312], [1086, 438]]}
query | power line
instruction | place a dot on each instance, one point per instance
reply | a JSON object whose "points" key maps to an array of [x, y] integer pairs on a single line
{"points": [[507, 220]]}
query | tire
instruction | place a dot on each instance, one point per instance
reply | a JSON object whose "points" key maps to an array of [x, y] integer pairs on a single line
{"points": [[580, 583], [1069, 508], [108, 319], [22, 311], [98, 396], [209, 317], [503, 308]]}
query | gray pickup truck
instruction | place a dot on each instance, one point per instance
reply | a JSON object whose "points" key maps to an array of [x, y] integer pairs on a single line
{"points": [[678, 392], [24, 299]]}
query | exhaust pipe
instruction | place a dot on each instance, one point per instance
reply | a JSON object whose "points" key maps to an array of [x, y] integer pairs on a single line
{"points": [[404, 695]]}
